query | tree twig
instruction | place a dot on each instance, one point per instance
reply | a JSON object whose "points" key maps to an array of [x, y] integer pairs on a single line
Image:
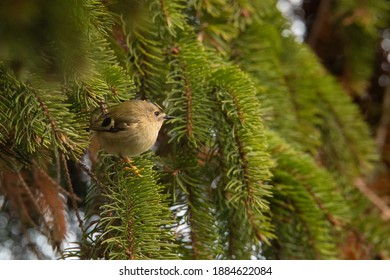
{"points": [[374, 198], [72, 194], [322, 15]]}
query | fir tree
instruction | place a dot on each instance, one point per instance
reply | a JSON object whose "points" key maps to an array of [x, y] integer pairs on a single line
{"points": [[264, 158]]}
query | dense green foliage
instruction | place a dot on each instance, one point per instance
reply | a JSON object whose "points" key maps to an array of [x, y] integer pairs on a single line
{"points": [[259, 162]]}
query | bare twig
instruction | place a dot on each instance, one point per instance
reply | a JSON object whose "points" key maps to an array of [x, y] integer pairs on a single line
{"points": [[374, 198], [72, 194], [90, 174]]}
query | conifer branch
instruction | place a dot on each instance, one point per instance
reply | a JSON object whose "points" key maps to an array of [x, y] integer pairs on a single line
{"points": [[193, 229], [189, 132], [244, 179]]}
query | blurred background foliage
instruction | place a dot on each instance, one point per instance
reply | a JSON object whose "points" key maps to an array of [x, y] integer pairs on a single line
{"points": [[279, 148]]}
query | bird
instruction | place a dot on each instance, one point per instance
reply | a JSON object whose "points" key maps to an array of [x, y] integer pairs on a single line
{"points": [[128, 129]]}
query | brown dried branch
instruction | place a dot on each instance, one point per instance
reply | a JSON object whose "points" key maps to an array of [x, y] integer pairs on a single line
{"points": [[52, 205]]}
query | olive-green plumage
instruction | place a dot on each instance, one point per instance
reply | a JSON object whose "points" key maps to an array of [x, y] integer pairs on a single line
{"points": [[128, 129]]}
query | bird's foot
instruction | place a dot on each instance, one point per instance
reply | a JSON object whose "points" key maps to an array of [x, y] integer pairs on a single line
{"points": [[131, 167]]}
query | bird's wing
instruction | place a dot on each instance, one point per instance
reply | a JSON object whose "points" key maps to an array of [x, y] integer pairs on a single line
{"points": [[114, 122]]}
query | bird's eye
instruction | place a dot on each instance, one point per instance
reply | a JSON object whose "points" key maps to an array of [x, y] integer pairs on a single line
{"points": [[106, 121], [157, 113]]}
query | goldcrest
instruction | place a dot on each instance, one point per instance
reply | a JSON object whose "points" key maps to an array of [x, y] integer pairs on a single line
{"points": [[128, 129]]}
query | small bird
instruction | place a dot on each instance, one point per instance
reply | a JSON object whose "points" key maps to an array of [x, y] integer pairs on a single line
{"points": [[128, 129]]}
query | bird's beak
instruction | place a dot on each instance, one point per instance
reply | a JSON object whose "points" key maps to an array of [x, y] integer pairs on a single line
{"points": [[168, 117]]}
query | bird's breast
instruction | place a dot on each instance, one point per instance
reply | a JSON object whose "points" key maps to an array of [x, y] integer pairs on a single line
{"points": [[129, 142]]}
